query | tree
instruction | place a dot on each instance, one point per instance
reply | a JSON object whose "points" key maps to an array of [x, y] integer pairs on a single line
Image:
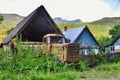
{"points": [[1, 19], [104, 41], [115, 32]]}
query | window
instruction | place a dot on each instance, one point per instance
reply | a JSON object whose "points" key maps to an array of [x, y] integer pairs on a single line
{"points": [[57, 39], [112, 49]]}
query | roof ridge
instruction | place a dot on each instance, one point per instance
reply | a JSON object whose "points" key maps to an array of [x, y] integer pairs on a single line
{"points": [[80, 31], [44, 15]]}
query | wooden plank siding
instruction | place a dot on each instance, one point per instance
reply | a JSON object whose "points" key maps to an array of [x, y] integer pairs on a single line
{"points": [[91, 59]]}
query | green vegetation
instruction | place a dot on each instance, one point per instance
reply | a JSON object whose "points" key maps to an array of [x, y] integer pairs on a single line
{"points": [[115, 32], [27, 64], [3, 32], [10, 20], [107, 21], [104, 41], [99, 28], [98, 31]]}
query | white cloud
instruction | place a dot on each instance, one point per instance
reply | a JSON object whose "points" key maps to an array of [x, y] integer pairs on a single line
{"points": [[22, 7], [86, 10]]}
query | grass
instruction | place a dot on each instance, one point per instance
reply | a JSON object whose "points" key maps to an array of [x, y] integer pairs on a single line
{"points": [[68, 75], [3, 32], [35, 75], [27, 64]]}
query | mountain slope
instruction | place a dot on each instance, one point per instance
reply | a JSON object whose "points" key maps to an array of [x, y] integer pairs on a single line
{"points": [[59, 19], [99, 28], [111, 21], [10, 20], [13, 19]]}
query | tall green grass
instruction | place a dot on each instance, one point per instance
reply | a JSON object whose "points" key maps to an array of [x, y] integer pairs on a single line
{"points": [[30, 64], [27, 63]]}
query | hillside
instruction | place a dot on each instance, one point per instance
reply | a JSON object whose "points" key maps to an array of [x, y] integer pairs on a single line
{"points": [[99, 28], [98, 31], [110, 21], [10, 20], [13, 19]]}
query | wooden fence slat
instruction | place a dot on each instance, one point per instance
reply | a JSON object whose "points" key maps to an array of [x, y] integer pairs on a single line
{"points": [[90, 59]]}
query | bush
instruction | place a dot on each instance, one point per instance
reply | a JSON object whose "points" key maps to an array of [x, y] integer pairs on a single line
{"points": [[82, 65], [25, 62]]}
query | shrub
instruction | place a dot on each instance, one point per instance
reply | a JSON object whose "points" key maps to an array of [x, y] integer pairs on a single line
{"points": [[82, 65]]}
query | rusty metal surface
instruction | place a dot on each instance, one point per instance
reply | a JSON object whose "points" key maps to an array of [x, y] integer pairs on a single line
{"points": [[65, 52], [48, 35]]}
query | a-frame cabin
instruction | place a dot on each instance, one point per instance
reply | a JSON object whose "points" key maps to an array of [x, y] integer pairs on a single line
{"points": [[34, 26]]}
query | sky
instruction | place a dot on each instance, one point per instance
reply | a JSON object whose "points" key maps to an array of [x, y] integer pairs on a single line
{"points": [[86, 10]]}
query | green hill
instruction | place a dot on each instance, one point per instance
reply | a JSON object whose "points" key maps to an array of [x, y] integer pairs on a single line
{"points": [[99, 28], [110, 21], [10, 20], [98, 31], [13, 19]]}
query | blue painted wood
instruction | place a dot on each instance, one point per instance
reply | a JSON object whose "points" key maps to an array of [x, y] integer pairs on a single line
{"points": [[86, 39], [117, 41]]}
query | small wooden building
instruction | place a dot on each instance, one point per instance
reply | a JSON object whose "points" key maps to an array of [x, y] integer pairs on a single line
{"points": [[114, 47], [82, 36], [33, 27]]}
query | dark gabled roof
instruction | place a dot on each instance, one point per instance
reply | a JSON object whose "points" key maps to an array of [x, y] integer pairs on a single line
{"points": [[34, 26], [113, 41], [74, 33]]}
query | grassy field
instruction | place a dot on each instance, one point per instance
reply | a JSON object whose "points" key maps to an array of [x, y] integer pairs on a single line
{"points": [[3, 32], [68, 75]]}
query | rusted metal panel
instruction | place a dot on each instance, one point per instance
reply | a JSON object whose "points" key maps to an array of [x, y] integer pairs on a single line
{"points": [[65, 52]]}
